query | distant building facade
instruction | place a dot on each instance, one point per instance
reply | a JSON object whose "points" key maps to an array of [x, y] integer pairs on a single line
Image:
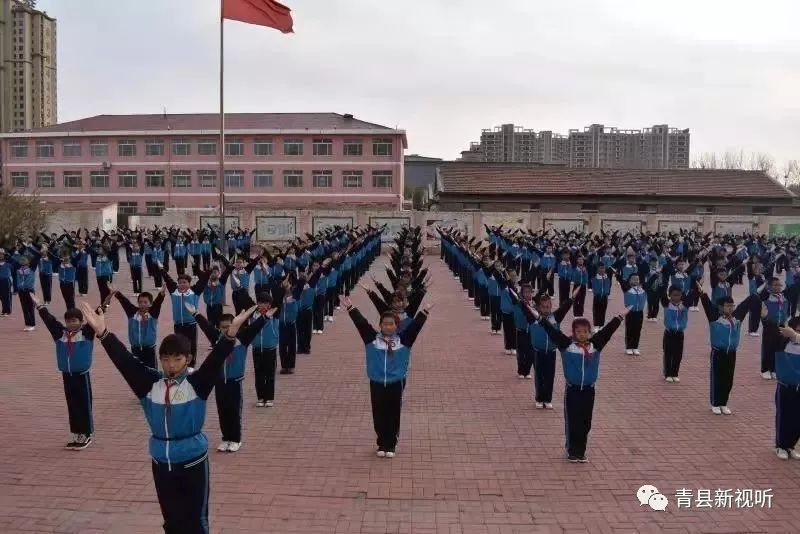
{"points": [[28, 74], [420, 171], [595, 147], [147, 163]]}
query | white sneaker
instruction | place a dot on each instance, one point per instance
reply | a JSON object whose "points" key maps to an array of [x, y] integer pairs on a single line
{"points": [[782, 454], [540, 405], [269, 404], [726, 410], [381, 454], [676, 379], [234, 446], [30, 328], [521, 376], [508, 352], [773, 376], [636, 352], [514, 352], [390, 454], [338, 308], [629, 352], [766, 375], [694, 308], [223, 447], [548, 405], [754, 334], [528, 377], [716, 410], [794, 454], [668, 379], [260, 404]]}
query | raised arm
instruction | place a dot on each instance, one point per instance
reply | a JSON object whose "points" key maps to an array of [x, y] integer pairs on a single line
{"points": [[712, 313], [409, 335], [55, 328], [202, 282], [561, 340], [211, 332], [365, 330], [127, 306], [741, 310], [171, 284], [601, 339], [155, 309]]}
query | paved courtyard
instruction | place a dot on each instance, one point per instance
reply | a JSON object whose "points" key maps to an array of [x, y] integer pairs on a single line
{"points": [[475, 457]]}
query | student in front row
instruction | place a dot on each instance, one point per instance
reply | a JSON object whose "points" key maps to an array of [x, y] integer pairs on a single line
{"points": [[725, 328], [142, 322], [74, 345], [388, 355], [580, 356], [265, 347], [787, 391], [228, 390], [676, 317], [174, 404], [635, 299]]}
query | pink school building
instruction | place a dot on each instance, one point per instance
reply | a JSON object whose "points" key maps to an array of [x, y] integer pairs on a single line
{"points": [[146, 163]]}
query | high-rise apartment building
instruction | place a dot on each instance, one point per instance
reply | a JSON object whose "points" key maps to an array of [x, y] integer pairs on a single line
{"points": [[28, 92], [596, 146]]}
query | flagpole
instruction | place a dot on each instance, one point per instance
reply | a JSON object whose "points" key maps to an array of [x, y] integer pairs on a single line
{"points": [[221, 173]]}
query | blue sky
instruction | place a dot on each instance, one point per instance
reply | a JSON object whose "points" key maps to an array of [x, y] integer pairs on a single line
{"points": [[443, 70]]}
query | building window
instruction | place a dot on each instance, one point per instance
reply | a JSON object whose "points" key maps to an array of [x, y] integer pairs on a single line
{"points": [[19, 149], [322, 147], [99, 179], [352, 178], [154, 147], [155, 207], [73, 179], [292, 147], [322, 178], [44, 149], [126, 148], [181, 147], [45, 179], [207, 178], [19, 180], [382, 179], [292, 178], [353, 147], [705, 210], [127, 179], [761, 210], [471, 206], [262, 179], [181, 178], [262, 147], [207, 148], [71, 148], [589, 208], [127, 208], [234, 179], [382, 147], [154, 178], [98, 149], [234, 147]]}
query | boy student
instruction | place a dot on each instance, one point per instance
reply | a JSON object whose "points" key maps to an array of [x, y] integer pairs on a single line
{"points": [[264, 350], [580, 277], [580, 356], [676, 317], [787, 391], [387, 357], [635, 299], [524, 348], [103, 269], [229, 385], [66, 279], [564, 277], [214, 292], [778, 312], [142, 323], [80, 258], [25, 281], [6, 284], [135, 262], [240, 280], [544, 350], [305, 314], [653, 286], [287, 336], [601, 289], [725, 326], [507, 284], [181, 293], [174, 404], [493, 290], [755, 280], [74, 344]]}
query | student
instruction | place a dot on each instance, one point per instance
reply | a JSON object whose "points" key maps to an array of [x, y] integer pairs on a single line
{"points": [[26, 278], [228, 389], [546, 268], [635, 299], [80, 258], [654, 288], [508, 285], [305, 315], [240, 280], [135, 263], [214, 292], [778, 312], [142, 323], [787, 391], [544, 350], [725, 326], [387, 357], [676, 317], [493, 292], [103, 270], [174, 403], [287, 336], [580, 279], [265, 346], [754, 282], [580, 356], [74, 345], [7, 273], [45, 268], [565, 271], [524, 348], [601, 289], [181, 293]]}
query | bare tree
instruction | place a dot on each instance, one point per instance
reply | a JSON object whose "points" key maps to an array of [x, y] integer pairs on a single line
{"points": [[20, 216], [790, 173]]}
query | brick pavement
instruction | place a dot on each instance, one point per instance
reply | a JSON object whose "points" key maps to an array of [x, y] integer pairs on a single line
{"points": [[475, 457]]}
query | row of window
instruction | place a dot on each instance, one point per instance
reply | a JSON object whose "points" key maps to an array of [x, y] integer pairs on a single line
{"points": [[126, 148], [205, 179], [152, 207]]}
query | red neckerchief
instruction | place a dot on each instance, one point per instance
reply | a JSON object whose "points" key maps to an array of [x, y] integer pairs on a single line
{"points": [[584, 348], [169, 382], [70, 344], [389, 344]]}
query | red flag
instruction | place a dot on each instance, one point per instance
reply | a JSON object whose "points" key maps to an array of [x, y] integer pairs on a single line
{"points": [[261, 12]]}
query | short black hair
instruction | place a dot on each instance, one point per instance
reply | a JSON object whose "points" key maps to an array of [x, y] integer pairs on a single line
{"points": [[264, 298], [185, 277], [541, 298], [175, 344], [391, 315], [581, 321], [146, 295], [73, 313], [673, 289], [226, 317], [724, 300]]}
